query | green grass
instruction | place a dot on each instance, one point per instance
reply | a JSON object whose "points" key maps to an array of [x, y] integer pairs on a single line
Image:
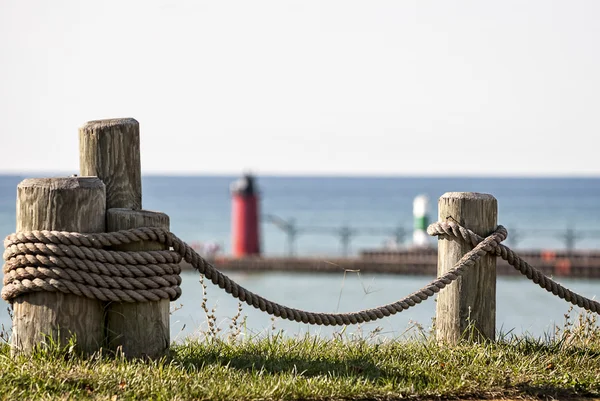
{"points": [[219, 367]]}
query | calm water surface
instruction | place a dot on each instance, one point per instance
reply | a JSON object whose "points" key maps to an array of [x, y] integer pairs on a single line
{"points": [[522, 307], [536, 211]]}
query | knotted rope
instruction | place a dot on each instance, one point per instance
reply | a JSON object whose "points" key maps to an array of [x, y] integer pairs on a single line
{"points": [[454, 231], [76, 263]]}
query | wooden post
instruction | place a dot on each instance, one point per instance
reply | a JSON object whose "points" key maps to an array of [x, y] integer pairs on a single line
{"points": [[139, 329], [110, 149], [63, 204], [472, 298]]}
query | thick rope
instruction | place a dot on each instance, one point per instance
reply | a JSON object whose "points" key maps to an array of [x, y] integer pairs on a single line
{"points": [[63, 262], [75, 263], [453, 231], [29, 253]]}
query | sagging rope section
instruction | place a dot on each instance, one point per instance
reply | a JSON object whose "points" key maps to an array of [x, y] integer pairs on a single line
{"points": [[81, 264]]}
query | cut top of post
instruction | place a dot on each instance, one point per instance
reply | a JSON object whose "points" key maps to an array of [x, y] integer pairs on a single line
{"points": [[113, 122], [472, 210], [61, 183], [468, 195]]}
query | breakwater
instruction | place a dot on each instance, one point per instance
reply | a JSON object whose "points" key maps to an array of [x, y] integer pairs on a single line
{"points": [[560, 263]]}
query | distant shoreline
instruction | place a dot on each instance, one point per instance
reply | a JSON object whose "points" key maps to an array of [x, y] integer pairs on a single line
{"points": [[555, 263]]}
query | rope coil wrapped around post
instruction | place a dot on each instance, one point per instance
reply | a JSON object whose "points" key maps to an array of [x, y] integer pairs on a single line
{"points": [[77, 263]]}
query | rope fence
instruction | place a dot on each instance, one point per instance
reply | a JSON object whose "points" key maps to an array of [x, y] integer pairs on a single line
{"points": [[79, 264], [111, 287]]}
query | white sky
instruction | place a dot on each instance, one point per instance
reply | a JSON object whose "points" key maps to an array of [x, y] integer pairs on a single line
{"points": [[307, 87]]}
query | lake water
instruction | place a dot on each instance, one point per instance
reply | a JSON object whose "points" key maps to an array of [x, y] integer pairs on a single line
{"points": [[199, 208], [537, 210], [522, 307]]}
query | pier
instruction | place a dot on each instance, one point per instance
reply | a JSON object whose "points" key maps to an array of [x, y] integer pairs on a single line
{"points": [[558, 263]]}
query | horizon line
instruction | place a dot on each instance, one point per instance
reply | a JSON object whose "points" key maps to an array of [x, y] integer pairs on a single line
{"points": [[50, 174]]}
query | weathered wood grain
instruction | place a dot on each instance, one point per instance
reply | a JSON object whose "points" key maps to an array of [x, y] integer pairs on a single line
{"points": [[139, 329], [110, 150], [472, 298], [63, 204]]}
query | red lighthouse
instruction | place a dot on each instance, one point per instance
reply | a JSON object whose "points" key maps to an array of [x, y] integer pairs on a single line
{"points": [[245, 217]]}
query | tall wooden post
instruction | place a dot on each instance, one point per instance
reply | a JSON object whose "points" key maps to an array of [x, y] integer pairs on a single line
{"points": [[110, 149], [470, 301], [75, 204]]}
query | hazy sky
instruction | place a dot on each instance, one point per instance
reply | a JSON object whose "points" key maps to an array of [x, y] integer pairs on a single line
{"points": [[297, 87]]}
